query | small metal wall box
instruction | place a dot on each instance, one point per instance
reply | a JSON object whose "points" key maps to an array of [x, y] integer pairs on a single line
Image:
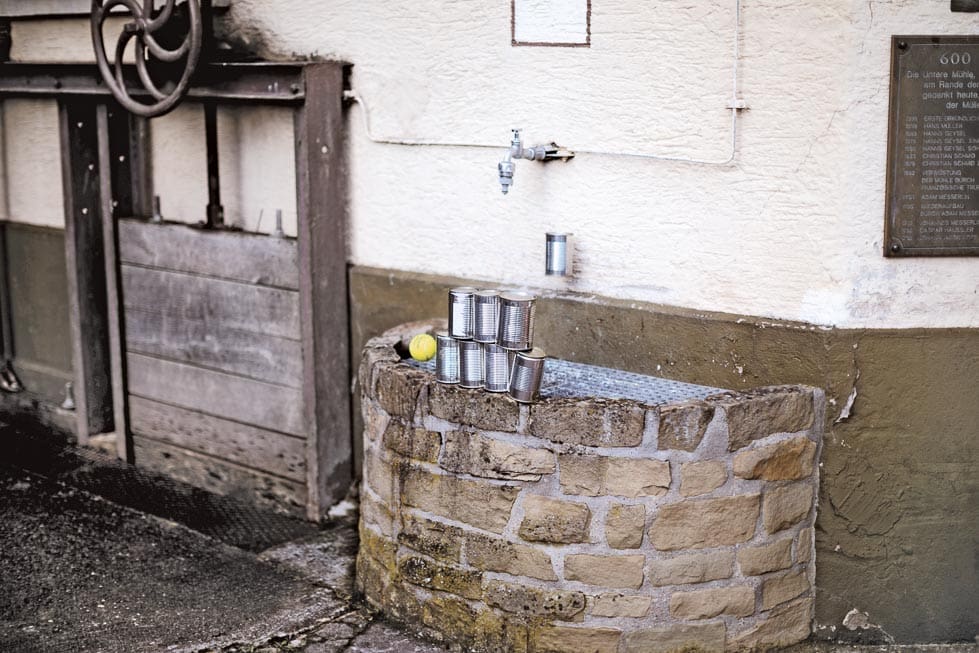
{"points": [[526, 376], [516, 321], [470, 364], [496, 367], [559, 254], [446, 358], [461, 312], [486, 315]]}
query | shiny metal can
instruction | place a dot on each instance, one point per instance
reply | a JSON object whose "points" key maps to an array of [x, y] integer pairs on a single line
{"points": [[526, 375], [461, 312], [486, 315], [470, 364], [516, 321], [496, 367], [446, 358], [558, 254]]}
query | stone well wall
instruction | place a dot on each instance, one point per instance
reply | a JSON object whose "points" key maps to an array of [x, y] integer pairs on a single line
{"points": [[587, 524]]}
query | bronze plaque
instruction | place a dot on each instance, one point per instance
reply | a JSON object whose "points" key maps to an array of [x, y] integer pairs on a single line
{"points": [[933, 147]]}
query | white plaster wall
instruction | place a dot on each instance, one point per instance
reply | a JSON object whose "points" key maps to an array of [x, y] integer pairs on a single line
{"points": [[31, 163], [792, 230]]}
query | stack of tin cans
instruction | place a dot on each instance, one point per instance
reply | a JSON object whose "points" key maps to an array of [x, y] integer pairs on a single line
{"points": [[490, 343]]}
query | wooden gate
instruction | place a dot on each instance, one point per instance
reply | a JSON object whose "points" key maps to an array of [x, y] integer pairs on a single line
{"points": [[217, 357]]}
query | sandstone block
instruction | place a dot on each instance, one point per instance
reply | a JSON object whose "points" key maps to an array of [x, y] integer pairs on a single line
{"points": [[582, 475], [701, 477], [496, 634], [604, 475], [376, 514], [692, 568], [779, 409], [472, 453], [681, 637], [626, 423], [804, 546], [372, 578], [402, 603], [398, 387], [411, 442], [625, 525], [705, 523], [438, 576], [534, 602], [494, 554], [757, 560], [625, 571], [476, 503], [372, 356], [571, 421], [434, 539], [482, 410], [379, 475], [682, 426], [375, 419], [551, 520], [567, 639], [620, 605], [381, 550], [635, 477], [703, 604], [780, 590], [785, 506], [450, 615], [787, 460], [786, 626]]}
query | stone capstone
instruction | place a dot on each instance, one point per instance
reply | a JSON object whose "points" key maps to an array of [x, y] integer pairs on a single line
{"points": [[758, 414], [624, 571], [551, 520], [481, 410], [705, 523], [788, 460], [682, 426], [588, 422], [397, 391]]}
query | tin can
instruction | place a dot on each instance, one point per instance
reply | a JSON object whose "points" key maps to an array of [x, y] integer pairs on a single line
{"points": [[497, 362], [446, 358], [526, 375], [516, 321], [461, 312], [470, 364], [558, 254], [486, 315]]}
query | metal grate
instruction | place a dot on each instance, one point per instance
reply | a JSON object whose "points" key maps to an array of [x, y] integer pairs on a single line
{"points": [[569, 379]]}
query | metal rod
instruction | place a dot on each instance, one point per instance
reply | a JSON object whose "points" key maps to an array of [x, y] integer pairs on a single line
{"points": [[215, 212]]}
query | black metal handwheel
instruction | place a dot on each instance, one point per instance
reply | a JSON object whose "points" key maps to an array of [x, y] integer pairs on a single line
{"points": [[144, 29]]}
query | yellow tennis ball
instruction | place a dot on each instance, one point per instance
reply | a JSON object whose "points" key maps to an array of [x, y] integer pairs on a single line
{"points": [[422, 347]]}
